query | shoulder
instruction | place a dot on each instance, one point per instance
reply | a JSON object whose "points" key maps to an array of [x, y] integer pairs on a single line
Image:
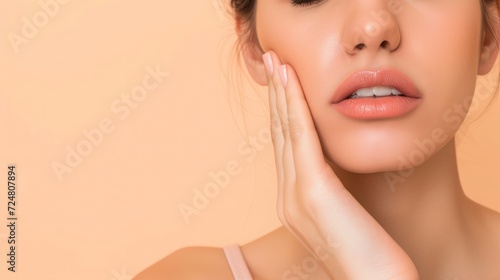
{"points": [[190, 263]]}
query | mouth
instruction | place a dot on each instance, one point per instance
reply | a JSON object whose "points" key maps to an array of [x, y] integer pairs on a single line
{"points": [[386, 93], [380, 83]]}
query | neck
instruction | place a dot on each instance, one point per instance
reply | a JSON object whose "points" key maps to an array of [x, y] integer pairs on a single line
{"points": [[423, 209]]}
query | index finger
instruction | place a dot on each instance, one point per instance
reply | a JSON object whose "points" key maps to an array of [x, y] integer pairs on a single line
{"points": [[306, 146]]}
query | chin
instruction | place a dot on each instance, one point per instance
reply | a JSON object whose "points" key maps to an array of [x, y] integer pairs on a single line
{"points": [[364, 167], [385, 159]]}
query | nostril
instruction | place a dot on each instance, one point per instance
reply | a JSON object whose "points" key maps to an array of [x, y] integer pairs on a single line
{"points": [[384, 44], [359, 46]]}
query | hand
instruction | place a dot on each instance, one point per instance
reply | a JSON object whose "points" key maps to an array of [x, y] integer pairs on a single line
{"points": [[313, 204]]}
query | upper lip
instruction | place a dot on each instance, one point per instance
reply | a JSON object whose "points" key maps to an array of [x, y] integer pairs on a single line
{"points": [[389, 77]]}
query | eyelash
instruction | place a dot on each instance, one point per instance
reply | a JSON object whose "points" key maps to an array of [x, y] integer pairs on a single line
{"points": [[302, 3]]}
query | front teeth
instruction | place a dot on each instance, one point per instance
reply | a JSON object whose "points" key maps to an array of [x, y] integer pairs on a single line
{"points": [[377, 91]]}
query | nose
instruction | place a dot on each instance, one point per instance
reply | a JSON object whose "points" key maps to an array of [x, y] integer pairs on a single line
{"points": [[371, 28]]}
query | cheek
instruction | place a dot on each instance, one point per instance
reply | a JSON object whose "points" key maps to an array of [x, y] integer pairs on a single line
{"points": [[307, 42], [446, 65]]}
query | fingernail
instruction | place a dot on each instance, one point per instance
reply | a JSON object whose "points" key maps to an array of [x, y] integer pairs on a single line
{"points": [[268, 61], [284, 78]]}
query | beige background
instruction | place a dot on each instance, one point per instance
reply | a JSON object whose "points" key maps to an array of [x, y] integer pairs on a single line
{"points": [[116, 210]]}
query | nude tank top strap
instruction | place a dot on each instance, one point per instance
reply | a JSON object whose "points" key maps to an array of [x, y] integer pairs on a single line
{"points": [[237, 262]]}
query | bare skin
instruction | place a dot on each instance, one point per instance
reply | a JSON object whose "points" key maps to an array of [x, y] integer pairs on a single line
{"points": [[464, 235], [444, 234]]}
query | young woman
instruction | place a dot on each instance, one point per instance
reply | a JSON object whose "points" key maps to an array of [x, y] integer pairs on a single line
{"points": [[365, 98]]}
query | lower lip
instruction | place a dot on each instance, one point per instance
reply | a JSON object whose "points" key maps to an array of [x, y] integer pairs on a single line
{"points": [[377, 108]]}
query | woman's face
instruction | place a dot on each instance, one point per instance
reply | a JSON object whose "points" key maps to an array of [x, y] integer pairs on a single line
{"points": [[436, 43]]}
